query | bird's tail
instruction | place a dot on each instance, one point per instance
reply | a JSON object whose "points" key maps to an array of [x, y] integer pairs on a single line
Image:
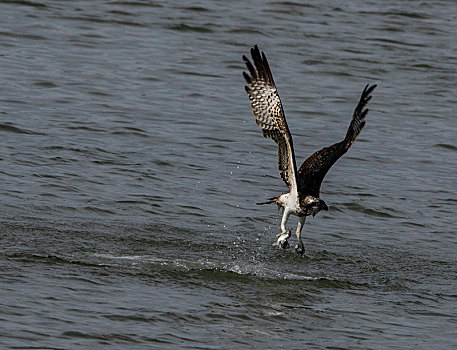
{"points": [[272, 200]]}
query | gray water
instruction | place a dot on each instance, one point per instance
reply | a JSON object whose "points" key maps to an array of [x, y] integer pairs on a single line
{"points": [[131, 165]]}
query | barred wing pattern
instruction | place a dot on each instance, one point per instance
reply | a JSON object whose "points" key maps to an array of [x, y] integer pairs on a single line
{"points": [[314, 169], [269, 114]]}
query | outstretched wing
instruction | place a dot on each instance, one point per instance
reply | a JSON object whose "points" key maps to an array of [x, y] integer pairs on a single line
{"points": [[314, 169], [269, 114]]}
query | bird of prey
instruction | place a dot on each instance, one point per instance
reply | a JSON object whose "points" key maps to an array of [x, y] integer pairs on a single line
{"points": [[304, 184]]}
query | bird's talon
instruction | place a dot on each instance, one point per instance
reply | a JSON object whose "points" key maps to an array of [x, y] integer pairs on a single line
{"points": [[284, 244], [282, 240], [299, 250], [287, 233]]}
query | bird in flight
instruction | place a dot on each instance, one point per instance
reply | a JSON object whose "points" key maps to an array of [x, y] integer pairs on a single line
{"points": [[304, 184]]}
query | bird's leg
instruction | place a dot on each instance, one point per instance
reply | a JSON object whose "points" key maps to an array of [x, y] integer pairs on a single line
{"points": [[284, 235], [300, 248]]}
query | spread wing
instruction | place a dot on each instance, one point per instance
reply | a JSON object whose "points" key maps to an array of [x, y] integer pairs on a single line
{"points": [[269, 114], [314, 169]]}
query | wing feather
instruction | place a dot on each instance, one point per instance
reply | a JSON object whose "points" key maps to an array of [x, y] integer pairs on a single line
{"points": [[314, 169], [269, 113]]}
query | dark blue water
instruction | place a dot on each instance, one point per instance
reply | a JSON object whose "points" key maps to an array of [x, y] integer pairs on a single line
{"points": [[131, 165]]}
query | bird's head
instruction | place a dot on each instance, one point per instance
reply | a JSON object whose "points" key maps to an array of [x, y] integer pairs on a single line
{"points": [[313, 205]]}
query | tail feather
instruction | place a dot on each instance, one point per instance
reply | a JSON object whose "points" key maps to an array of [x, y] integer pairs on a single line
{"points": [[271, 200]]}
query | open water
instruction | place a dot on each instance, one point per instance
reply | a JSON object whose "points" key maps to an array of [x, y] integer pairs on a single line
{"points": [[130, 165]]}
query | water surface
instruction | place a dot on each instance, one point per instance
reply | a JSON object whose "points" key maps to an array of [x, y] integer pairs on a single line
{"points": [[131, 165]]}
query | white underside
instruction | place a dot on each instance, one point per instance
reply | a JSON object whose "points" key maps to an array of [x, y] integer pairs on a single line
{"points": [[290, 204]]}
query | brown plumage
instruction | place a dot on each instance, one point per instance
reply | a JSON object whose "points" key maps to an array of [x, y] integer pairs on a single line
{"points": [[267, 108], [269, 114], [303, 199], [314, 169]]}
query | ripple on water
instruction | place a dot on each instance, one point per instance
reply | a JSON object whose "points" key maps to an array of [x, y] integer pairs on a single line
{"points": [[446, 146], [16, 130], [189, 28]]}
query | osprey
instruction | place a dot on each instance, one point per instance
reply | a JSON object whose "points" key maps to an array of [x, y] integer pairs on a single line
{"points": [[304, 184]]}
